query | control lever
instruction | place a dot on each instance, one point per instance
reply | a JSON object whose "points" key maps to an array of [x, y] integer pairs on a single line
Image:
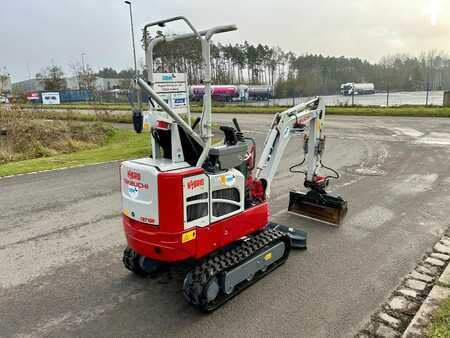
{"points": [[138, 120], [239, 134], [196, 122], [236, 124]]}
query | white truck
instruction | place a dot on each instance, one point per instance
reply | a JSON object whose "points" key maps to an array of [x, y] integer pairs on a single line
{"points": [[357, 88]]}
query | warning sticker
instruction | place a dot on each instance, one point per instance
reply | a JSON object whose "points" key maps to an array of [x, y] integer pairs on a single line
{"points": [[188, 236]]}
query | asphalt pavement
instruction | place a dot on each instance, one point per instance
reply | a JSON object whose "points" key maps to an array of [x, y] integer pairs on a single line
{"points": [[61, 243]]}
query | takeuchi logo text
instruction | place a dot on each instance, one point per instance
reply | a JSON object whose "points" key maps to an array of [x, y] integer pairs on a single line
{"points": [[192, 184], [138, 185], [133, 175]]}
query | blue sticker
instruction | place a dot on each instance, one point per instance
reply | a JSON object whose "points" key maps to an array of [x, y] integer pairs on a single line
{"points": [[133, 191]]}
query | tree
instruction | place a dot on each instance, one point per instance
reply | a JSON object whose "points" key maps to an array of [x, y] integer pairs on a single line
{"points": [[3, 80], [107, 72], [85, 76], [52, 78], [307, 74], [125, 84]]}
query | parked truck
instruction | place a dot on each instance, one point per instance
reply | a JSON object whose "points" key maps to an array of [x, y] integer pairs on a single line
{"points": [[223, 93], [352, 88], [260, 92]]}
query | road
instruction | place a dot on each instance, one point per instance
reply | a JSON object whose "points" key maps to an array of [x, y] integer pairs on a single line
{"points": [[61, 243]]}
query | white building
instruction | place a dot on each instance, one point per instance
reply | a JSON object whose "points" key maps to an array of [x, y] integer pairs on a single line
{"points": [[104, 84], [101, 84]]}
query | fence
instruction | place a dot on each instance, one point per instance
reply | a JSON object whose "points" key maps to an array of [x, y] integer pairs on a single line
{"points": [[435, 98]]}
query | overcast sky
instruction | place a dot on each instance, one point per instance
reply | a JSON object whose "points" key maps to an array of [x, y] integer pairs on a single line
{"points": [[35, 33]]}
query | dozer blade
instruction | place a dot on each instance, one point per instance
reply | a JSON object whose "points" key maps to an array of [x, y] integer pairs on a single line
{"points": [[323, 207]]}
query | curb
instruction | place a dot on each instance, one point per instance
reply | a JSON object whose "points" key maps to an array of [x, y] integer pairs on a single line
{"points": [[58, 169], [422, 319], [407, 311]]}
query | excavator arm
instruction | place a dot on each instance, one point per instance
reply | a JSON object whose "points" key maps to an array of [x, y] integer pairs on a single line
{"points": [[284, 126], [316, 203]]}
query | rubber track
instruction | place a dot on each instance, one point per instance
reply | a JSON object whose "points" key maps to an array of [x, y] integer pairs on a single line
{"points": [[130, 259], [197, 279]]}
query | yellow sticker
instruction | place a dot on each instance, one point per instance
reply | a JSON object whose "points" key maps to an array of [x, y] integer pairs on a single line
{"points": [[146, 126], [125, 212], [188, 236], [268, 256]]}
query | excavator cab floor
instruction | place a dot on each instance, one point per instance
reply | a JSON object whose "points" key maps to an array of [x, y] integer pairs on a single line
{"points": [[323, 207]]}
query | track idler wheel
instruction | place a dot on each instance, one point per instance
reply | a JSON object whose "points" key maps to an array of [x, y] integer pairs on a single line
{"points": [[138, 264]]}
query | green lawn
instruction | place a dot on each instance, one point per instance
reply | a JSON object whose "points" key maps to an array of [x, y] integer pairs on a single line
{"points": [[366, 111], [440, 327], [120, 117], [80, 106], [123, 144], [434, 111]]}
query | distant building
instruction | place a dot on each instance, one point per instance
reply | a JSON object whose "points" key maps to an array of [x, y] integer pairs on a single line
{"points": [[34, 84], [101, 84], [105, 84], [28, 85]]}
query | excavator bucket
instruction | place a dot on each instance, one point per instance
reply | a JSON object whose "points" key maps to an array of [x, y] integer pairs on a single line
{"points": [[323, 207]]}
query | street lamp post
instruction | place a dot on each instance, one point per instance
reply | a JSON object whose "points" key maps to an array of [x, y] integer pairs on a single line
{"points": [[82, 78], [353, 94], [134, 53], [82, 61]]}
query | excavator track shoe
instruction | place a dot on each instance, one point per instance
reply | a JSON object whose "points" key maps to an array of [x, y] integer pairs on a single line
{"points": [[216, 280]]}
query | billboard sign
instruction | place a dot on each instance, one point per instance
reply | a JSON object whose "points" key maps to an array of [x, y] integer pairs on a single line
{"points": [[50, 98], [33, 96]]}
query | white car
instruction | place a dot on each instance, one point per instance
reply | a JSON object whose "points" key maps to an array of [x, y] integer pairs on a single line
{"points": [[4, 99]]}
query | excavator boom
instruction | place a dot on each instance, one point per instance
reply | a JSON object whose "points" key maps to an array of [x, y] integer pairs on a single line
{"points": [[315, 203]]}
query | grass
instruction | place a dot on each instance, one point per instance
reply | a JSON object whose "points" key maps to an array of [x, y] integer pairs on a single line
{"points": [[359, 111], [121, 144], [218, 108], [73, 115], [28, 139], [391, 111], [440, 327], [80, 106], [335, 110]]}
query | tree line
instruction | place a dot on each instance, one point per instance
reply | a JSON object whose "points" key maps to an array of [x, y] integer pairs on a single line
{"points": [[292, 75], [303, 75]]}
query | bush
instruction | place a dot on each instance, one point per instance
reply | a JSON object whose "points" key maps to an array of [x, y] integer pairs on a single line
{"points": [[31, 138]]}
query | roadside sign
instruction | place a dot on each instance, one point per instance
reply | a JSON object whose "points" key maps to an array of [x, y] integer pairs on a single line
{"points": [[50, 98], [33, 96], [173, 89]]}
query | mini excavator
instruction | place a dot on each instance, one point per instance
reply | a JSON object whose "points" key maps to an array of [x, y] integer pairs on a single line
{"points": [[206, 204]]}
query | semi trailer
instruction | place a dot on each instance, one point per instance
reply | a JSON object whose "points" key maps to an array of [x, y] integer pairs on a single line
{"points": [[357, 88]]}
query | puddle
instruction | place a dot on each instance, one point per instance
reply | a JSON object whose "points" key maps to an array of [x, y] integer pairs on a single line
{"points": [[374, 171], [366, 171]]}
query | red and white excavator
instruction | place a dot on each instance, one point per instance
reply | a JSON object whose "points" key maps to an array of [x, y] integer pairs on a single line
{"points": [[207, 204]]}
